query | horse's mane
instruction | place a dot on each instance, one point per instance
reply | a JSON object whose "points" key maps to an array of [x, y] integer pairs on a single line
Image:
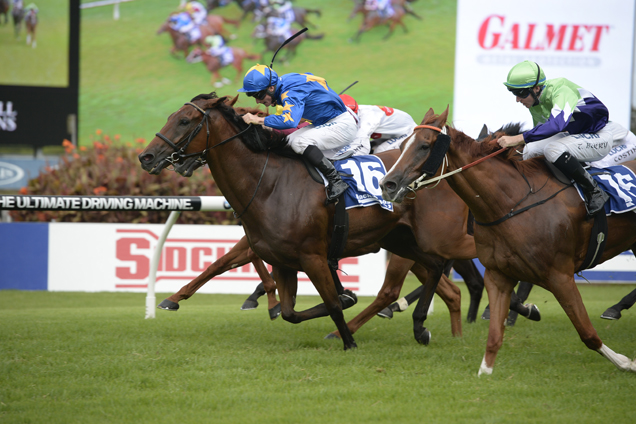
{"points": [[488, 145], [268, 138]]}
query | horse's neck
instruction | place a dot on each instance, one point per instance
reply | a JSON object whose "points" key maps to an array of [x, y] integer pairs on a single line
{"points": [[490, 189]]}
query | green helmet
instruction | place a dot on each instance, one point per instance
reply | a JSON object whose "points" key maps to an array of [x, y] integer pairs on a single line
{"points": [[525, 75]]}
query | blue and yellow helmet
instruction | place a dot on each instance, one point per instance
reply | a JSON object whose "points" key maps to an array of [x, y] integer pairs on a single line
{"points": [[257, 78]]}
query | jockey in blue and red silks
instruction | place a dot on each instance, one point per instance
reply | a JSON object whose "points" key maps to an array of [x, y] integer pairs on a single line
{"points": [[306, 96]]}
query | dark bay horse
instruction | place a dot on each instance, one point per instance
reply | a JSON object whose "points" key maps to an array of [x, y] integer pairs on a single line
{"points": [[283, 209], [4, 10], [273, 42], [17, 13], [545, 245]]}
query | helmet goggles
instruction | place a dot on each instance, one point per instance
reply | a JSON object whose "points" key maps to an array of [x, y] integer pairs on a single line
{"points": [[520, 92], [258, 95]]}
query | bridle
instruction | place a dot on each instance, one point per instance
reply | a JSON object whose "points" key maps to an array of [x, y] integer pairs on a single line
{"points": [[179, 152], [438, 155]]}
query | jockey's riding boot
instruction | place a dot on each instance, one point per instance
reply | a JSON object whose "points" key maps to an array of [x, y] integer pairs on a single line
{"points": [[336, 186], [595, 197]]}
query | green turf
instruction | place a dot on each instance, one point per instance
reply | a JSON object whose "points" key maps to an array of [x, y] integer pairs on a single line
{"points": [[92, 358], [129, 82], [47, 64]]}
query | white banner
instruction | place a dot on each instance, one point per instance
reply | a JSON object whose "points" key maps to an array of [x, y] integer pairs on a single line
{"points": [[587, 42], [116, 257]]}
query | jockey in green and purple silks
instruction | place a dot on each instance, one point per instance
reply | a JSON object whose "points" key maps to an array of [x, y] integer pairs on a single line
{"points": [[569, 126], [306, 96]]}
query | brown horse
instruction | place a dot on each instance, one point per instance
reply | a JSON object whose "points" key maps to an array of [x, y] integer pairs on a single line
{"points": [[4, 10], [18, 16], [372, 19], [181, 42], [213, 64], [241, 255], [283, 209], [545, 245], [31, 22]]}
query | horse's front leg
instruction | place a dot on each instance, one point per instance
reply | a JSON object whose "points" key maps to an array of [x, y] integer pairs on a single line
{"points": [[393, 281], [568, 295], [269, 285], [474, 283], [499, 288], [317, 269], [236, 257]]}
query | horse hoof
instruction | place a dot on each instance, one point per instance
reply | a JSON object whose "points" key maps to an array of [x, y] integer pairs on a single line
{"points": [[348, 299], [331, 336], [486, 314], [168, 305], [248, 305], [512, 319], [611, 313], [534, 314], [274, 312], [423, 336], [386, 313]]}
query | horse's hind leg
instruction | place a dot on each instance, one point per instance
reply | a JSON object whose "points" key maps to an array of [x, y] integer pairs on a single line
{"points": [[452, 296], [269, 285], [237, 256], [568, 295], [430, 278], [614, 312]]}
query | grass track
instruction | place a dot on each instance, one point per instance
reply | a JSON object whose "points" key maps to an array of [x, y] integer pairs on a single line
{"points": [[129, 83], [91, 357]]}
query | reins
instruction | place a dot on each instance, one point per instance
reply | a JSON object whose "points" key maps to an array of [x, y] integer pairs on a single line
{"points": [[418, 183]]}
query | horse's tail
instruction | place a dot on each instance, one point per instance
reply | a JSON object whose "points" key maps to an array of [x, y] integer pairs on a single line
{"points": [[315, 37]]}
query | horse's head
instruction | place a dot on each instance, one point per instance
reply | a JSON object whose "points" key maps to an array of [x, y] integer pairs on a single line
{"points": [[184, 140], [422, 153]]}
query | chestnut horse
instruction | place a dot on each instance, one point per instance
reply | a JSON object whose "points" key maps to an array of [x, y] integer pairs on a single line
{"points": [[283, 210], [213, 64], [545, 245], [31, 23], [181, 42], [373, 19]]}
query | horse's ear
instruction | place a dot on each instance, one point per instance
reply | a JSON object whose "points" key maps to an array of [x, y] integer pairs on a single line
{"points": [[231, 100], [483, 133], [428, 115], [441, 120]]}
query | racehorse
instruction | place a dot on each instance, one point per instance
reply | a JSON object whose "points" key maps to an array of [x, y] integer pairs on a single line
{"points": [[214, 65], [359, 7], [31, 22], [373, 19], [4, 10], [283, 209], [18, 16], [181, 42], [545, 246]]}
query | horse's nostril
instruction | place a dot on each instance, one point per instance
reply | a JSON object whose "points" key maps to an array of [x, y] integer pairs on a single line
{"points": [[146, 158], [389, 186]]}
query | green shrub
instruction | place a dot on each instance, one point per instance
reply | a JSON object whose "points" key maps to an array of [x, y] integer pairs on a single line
{"points": [[112, 169]]}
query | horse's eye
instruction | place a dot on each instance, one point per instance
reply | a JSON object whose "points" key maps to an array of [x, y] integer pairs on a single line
{"points": [[184, 121], [425, 146]]}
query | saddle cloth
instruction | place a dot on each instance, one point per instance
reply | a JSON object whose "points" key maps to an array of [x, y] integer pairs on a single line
{"points": [[363, 174], [620, 183]]}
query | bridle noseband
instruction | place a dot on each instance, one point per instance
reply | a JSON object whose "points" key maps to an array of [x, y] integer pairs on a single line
{"points": [[179, 152]]}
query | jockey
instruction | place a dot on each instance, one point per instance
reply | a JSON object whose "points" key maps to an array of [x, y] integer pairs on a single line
{"points": [[197, 11], [278, 27], [184, 23], [569, 126], [285, 10], [219, 49], [31, 8], [380, 128], [384, 8], [305, 96]]}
